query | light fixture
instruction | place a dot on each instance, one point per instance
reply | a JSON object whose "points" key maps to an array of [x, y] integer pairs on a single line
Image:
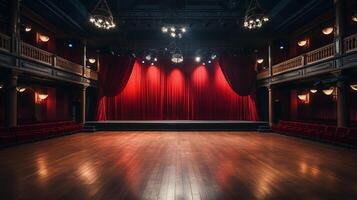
{"points": [[302, 43], [91, 60], [1, 86], [174, 31], [354, 87], [43, 38], [177, 56], [20, 89], [260, 61], [143, 61], [209, 61], [101, 16], [354, 17], [281, 47], [204, 64], [70, 45], [198, 59], [28, 28], [213, 56], [155, 59], [42, 96], [327, 30], [148, 57], [255, 16], [302, 97], [152, 64], [328, 91], [313, 91]]}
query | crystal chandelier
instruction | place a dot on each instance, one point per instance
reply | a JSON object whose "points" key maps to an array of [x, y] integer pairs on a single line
{"points": [[101, 16], [255, 16], [177, 56], [174, 31]]}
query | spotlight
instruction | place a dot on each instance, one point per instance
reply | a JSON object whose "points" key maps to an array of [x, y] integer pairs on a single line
{"points": [[152, 64], [70, 45], [173, 29], [155, 59], [214, 56], [183, 30], [281, 47], [204, 64], [173, 35], [209, 62], [198, 59], [28, 28], [143, 61]]}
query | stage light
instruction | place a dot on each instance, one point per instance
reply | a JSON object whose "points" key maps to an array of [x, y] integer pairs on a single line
{"points": [[148, 57], [173, 29], [198, 59], [28, 28], [70, 45], [183, 30], [204, 64], [213, 56], [327, 30], [152, 64], [313, 91], [328, 91], [155, 59], [209, 62], [260, 61], [91, 60], [143, 62], [20, 89], [281, 47], [302, 43], [173, 34]]}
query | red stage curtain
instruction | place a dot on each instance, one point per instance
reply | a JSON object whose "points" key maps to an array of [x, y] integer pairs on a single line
{"points": [[239, 73], [169, 92], [114, 74]]}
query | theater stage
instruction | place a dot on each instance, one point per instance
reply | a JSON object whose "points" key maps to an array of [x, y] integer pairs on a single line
{"points": [[177, 125]]}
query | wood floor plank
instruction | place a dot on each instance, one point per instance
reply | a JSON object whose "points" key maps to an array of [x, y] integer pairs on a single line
{"points": [[179, 166]]}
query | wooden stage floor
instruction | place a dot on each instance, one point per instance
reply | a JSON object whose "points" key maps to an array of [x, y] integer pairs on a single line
{"points": [[177, 165]]}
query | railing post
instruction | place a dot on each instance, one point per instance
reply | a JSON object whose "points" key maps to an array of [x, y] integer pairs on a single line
{"points": [[54, 60], [340, 13]]}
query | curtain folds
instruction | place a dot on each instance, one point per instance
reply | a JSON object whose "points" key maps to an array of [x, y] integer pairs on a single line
{"points": [[239, 73], [170, 92]]}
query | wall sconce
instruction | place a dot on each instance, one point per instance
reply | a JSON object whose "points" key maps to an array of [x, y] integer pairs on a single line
{"points": [[354, 87], [354, 17], [20, 89], [43, 38], [302, 43], [1, 86], [91, 60], [327, 30], [305, 98], [313, 91], [328, 91], [260, 60], [28, 28], [40, 97]]}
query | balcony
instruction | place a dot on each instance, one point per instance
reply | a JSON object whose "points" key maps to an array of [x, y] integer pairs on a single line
{"points": [[315, 61], [39, 56]]}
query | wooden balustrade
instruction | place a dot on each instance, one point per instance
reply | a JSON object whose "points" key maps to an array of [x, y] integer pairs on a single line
{"points": [[288, 65], [91, 74], [69, 66], [320, 54], [36, 54], [351, 43], [263, 74], [5, 42]]}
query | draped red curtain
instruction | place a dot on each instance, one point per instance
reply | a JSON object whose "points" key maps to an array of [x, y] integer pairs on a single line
{"points": [[169, 92], [240, 73]]}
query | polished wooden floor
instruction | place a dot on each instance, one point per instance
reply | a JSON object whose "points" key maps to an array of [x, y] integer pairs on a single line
{"points": [[177, 165]]}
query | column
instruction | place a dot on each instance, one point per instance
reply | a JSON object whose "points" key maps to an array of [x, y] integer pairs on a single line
{"points": [[84, 42], [340, 12], [342, 104], [15, 25], [11, 101], [271, 109], [98, 64], [269, 61], [83, 105]]}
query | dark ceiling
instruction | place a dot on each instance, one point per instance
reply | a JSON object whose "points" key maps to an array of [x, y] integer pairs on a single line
{"points": [[210, 22]]}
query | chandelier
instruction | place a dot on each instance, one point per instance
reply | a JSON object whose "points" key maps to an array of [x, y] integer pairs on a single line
{"points": [[255, 16], [101, 16], [174, 31], [177, 56]]}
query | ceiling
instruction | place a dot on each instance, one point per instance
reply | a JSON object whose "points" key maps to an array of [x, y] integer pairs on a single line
{"points": [[210, 22]]}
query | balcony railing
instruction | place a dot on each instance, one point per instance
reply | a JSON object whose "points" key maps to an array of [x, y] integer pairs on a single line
{"points": [[351, 43], [320, 54], [5, 42], [69, 66], [36, 54], [263, 74], [288, 65]]}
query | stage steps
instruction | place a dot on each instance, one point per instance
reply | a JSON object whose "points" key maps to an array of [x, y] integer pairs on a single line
{"points": [[176, 125]]}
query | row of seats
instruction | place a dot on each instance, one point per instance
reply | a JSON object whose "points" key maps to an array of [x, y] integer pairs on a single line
{"points": [[31, 132], [337, 135]]}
